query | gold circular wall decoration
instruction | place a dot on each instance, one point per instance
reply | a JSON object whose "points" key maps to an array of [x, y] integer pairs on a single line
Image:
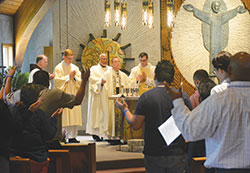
{"points": [[90, 54]]}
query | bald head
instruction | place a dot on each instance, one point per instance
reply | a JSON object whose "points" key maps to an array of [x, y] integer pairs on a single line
{"points": [[42, 61], [239, 67], [103, 60]]}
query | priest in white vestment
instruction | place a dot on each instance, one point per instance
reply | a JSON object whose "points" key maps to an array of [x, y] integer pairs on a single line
{"points": [[96, 122], [143, 74], [114, 81], [68, 79]]}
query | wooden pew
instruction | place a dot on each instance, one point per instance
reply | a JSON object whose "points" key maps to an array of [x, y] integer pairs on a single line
{"points": [[22, 165], [60, 161], [82, 157], [197, 165]]}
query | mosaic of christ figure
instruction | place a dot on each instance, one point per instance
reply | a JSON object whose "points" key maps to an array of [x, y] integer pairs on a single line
{"points": [[215, 28]]}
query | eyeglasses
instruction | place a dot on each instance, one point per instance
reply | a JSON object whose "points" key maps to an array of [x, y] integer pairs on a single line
{"points": [[143, 60], [70, 58], [104, 59]]}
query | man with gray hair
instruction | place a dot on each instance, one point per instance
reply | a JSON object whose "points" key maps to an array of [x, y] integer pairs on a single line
{"points": [[95, 109], [41, 64]]}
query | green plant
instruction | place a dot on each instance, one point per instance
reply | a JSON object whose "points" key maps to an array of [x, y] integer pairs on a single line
{"points": [[2, 76], [1, 80], [18, 81]]}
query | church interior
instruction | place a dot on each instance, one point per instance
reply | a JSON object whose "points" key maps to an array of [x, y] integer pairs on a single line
{"points": [[29, 28]]}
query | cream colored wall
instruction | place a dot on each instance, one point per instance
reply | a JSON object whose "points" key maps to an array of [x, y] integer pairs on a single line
{"points": [[87, 16], [73, 20]]}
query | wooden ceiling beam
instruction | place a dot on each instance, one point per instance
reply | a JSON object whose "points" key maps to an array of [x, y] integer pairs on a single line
{"points": [[9, 7], [27, 18]]}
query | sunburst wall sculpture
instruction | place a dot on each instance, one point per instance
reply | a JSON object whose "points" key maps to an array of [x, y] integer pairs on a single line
{"points": [[96, 46]]}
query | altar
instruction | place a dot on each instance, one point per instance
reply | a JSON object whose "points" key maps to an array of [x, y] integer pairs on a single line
{"points": [[122, 128]]}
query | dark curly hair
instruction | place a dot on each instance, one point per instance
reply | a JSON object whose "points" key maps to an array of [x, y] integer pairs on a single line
{"points": [[30, 93], [205, 87], [143, 54], [200, 74], [222, 60], [164, 71]]}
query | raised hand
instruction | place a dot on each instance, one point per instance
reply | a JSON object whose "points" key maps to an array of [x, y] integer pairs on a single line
{"points": [[85, 74], [51, 76], [12, 71], [57, 113], [35, 105], [173, 94], [72, 74], [144, 77], [121, 105], [103, 81], [141, 77]]}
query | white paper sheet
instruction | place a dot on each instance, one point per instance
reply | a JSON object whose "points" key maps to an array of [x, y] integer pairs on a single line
{"points": [[169, 130]]}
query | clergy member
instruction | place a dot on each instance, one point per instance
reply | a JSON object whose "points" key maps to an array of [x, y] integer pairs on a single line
{"points": [[68, 79], [113, 80], [41, 64], [143, 73], [95, 120]]}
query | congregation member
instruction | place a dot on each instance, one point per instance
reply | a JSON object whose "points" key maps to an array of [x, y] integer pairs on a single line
{"points": [[197, 148], [52, 99], [6, 127], [41, 64], [143, 73], [33, 129], [222, 120], [111, 83], [154, 108], [198, 76], [220, 64], [95, 116], [5, 123], [68, 79]]}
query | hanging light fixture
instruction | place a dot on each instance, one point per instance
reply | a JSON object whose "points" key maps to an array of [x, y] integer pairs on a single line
{"points": [[145, 12], [170, 12], [107, 14], [150, 22], [117, 9], [124, 15]]}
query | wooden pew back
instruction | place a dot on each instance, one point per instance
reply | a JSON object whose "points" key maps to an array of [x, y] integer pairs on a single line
{"points": [[197, 165], [82, 157], [60, 161]]}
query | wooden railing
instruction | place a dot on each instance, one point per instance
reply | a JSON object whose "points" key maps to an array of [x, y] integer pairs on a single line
{"points": [[197, 165]]}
